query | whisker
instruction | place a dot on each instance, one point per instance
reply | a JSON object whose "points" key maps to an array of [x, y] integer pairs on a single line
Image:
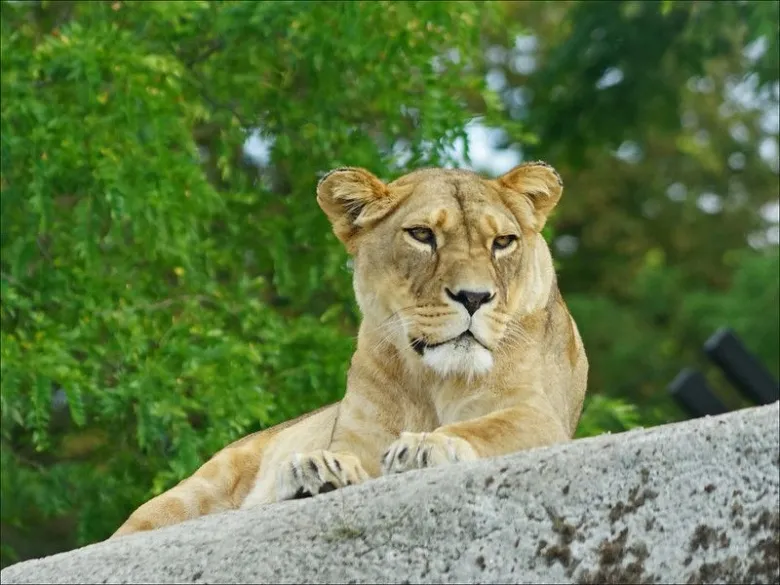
{"points": [[389, 327], [391, 317]]}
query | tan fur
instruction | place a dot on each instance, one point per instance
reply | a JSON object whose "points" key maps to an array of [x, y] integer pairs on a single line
{"points": [[417, 396]]}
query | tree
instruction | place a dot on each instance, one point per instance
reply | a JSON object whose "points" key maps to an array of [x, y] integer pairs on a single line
{"points": [[659, 116], [162, 293]]}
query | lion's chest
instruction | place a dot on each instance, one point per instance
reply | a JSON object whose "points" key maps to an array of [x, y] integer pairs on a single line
{"points": [[440, 405], [453, 403]]}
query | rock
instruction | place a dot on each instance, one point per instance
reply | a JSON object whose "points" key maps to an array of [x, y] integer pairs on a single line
{"points": [[689, 502]]}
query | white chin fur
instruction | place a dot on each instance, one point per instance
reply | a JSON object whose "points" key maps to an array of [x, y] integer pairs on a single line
{"points": [[468, 359]]}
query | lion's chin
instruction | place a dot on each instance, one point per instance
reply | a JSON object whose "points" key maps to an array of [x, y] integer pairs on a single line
{"points": [[457, 358]]}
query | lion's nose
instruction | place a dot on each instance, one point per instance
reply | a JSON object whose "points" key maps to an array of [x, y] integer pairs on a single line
{"points": [[470, 299]]}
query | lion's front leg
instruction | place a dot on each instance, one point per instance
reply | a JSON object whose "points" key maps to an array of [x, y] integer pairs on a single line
{"points": [[307, 474], [498, 433], [418, 450]]}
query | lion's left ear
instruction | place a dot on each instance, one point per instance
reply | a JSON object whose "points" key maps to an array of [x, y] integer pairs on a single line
{"points": [[539, 184], [353, 199]]}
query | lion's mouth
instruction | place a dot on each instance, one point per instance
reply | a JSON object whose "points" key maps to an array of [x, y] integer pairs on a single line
{"points": [[420, 345]]}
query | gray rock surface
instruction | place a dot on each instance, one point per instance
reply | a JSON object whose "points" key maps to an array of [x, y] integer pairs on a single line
{"points": [[693, 502]]}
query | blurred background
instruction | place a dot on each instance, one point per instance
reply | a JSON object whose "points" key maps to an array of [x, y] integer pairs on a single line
{"points": [[169, 283]]}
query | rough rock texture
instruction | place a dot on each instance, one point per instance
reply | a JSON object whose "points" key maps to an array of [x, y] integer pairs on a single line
{"points": [[695, 502]]}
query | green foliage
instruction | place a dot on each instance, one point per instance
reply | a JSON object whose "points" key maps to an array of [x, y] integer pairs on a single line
{"points": [[604, 37], [607, 415], [649, 110], [750, 305], [669, 316], [162, 295]]}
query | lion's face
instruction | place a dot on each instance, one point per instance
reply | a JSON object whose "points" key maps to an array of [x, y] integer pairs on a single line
{"points": [[445, 260]]}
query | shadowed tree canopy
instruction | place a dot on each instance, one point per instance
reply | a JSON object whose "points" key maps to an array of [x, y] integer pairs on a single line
{"points": [[662, 117]]}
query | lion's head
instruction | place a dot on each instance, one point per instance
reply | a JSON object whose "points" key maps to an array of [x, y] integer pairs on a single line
{"points": [[446, 262]]}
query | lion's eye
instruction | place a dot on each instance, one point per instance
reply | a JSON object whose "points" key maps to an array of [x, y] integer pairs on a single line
{"points": [[503, 242], [423, 235]]}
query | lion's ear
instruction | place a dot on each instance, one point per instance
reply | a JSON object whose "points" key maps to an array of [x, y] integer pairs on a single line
{"points": [[539, 184], [353, 199]]}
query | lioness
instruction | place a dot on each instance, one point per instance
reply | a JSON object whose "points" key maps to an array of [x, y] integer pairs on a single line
{"points": [[466, 348]]}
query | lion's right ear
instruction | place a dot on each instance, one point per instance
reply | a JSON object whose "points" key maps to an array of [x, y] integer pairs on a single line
{"points": [[353, 199], [540, 187]]}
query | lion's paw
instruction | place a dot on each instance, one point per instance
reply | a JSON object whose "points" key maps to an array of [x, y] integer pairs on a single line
{"points": [[303, 475], [418, 450]]}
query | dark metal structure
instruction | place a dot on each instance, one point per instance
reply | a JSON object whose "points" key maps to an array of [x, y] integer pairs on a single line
{"points": [[741, 368]]}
